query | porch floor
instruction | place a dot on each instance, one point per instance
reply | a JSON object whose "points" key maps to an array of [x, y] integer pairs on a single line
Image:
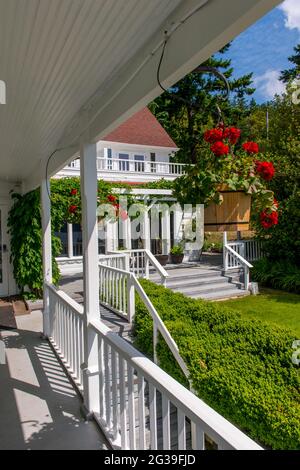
{"points": [[39, 407]]}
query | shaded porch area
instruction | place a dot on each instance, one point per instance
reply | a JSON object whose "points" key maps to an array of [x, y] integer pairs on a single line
{"points": [[39, 407]]}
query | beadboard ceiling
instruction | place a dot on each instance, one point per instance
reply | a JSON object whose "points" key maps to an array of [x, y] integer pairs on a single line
{"points": [[58, 57]]}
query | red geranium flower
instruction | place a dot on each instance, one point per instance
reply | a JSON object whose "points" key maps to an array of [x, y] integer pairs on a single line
{"points": [[265, 169], [72, 209], [111, 198], [268, 219], [251, 147], [232, 134], [74, 192], [213, 135], [219, 149]]}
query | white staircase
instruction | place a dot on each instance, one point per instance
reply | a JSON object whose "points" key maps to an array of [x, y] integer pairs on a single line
{"points": [[202, 282]]}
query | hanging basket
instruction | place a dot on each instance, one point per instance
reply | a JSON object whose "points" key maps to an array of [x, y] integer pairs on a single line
{"points": [[232, 215]]}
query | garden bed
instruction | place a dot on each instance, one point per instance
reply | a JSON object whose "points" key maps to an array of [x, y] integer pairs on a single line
{"points": [[240, 367]]}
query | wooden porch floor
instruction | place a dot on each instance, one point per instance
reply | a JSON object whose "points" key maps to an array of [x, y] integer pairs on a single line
{"points": [[39, 407]]}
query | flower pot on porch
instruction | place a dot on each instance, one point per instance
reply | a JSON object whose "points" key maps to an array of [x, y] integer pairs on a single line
{"points": [[232, 215], [176, 259], [162, 259]]}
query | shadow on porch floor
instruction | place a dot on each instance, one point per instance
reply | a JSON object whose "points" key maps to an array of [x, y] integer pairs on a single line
{"points": [[39, 407]]}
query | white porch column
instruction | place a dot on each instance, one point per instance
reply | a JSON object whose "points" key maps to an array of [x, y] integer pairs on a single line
{"points": [[166, 232], [47, 251], [88, 172], [70, 240], [126, 230], [145, 229], [111, 238], [178, 217]]}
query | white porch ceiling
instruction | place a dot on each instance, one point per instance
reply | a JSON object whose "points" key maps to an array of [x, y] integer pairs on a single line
{"points": [[70, 67]]}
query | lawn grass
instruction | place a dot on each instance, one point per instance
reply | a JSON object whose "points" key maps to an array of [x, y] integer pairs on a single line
{"points": [[271, 306]]}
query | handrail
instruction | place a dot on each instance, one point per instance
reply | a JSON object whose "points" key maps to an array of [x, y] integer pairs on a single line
{"points": [[65, 298], [161, 327], [158, 324], [119, 367], [228, 249], [151, 258], [159, 268], [131, 160], [212, 423], [239, 257]]}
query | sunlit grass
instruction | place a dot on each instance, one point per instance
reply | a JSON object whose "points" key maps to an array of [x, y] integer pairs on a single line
{"points": [[271, 306]]}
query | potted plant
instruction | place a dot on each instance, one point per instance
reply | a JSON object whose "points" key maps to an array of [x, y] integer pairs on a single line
{"points": [[228, 178], [162, 259], [177, 254]]}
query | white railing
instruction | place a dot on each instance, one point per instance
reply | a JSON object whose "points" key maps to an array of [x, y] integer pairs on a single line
{"points": [[115, 260], [137, 405], [253, 250], [233, 260], [137, 166], [140, 261], [142, 407], [117, 292], [66, 331]]}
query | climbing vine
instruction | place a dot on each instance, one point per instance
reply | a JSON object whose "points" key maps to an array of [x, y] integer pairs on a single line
{"points": [[24, 224]]}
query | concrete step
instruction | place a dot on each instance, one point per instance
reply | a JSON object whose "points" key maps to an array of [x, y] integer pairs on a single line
{"points": [[208, 289], [216, 282], [206, 283], [221, 294], [201, 274]]}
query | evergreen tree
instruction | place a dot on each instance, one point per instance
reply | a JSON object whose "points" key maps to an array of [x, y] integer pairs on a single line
{"points": [[290, 74], [186, 118]]}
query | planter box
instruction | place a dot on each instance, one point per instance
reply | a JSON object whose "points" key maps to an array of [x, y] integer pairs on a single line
{"points": [[176, 259], [232, 215], [162, 259]]}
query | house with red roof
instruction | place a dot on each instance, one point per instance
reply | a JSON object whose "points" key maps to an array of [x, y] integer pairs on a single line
{"points": [[138, 151]]}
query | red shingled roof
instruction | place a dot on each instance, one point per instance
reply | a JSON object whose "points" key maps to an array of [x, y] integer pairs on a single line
{"points": [[141, 129]]}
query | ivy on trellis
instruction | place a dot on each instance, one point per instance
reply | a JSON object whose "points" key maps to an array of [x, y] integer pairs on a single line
{"points": [[24, 225]]}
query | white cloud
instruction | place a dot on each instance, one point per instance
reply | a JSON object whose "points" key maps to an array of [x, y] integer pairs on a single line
{"points": [[269, 84], [291, 9]]}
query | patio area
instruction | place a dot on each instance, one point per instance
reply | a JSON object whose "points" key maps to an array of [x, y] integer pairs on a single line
{"points": [[39, 407]]}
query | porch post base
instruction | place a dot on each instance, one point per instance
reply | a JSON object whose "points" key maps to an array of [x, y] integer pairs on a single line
{"points": [[86, 414]]}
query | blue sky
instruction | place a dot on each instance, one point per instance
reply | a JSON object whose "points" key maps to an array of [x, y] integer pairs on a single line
{"points": [[265, 46]]}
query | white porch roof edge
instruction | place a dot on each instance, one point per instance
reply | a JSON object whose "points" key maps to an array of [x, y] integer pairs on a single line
{"points": [[205, 32]]}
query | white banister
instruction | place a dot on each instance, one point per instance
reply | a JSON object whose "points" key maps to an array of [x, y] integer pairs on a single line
{"points": [[162, 389], [134, 394], [234, 260], [66, 331], [134, 166], [140, 261], [117, 292]]}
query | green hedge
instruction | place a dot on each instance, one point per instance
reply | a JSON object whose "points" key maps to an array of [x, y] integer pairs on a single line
{"points": [[277, 274], [242, 368]]}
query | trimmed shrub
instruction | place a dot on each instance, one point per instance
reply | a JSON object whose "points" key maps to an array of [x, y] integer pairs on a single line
{"points": [[242, 368]]}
